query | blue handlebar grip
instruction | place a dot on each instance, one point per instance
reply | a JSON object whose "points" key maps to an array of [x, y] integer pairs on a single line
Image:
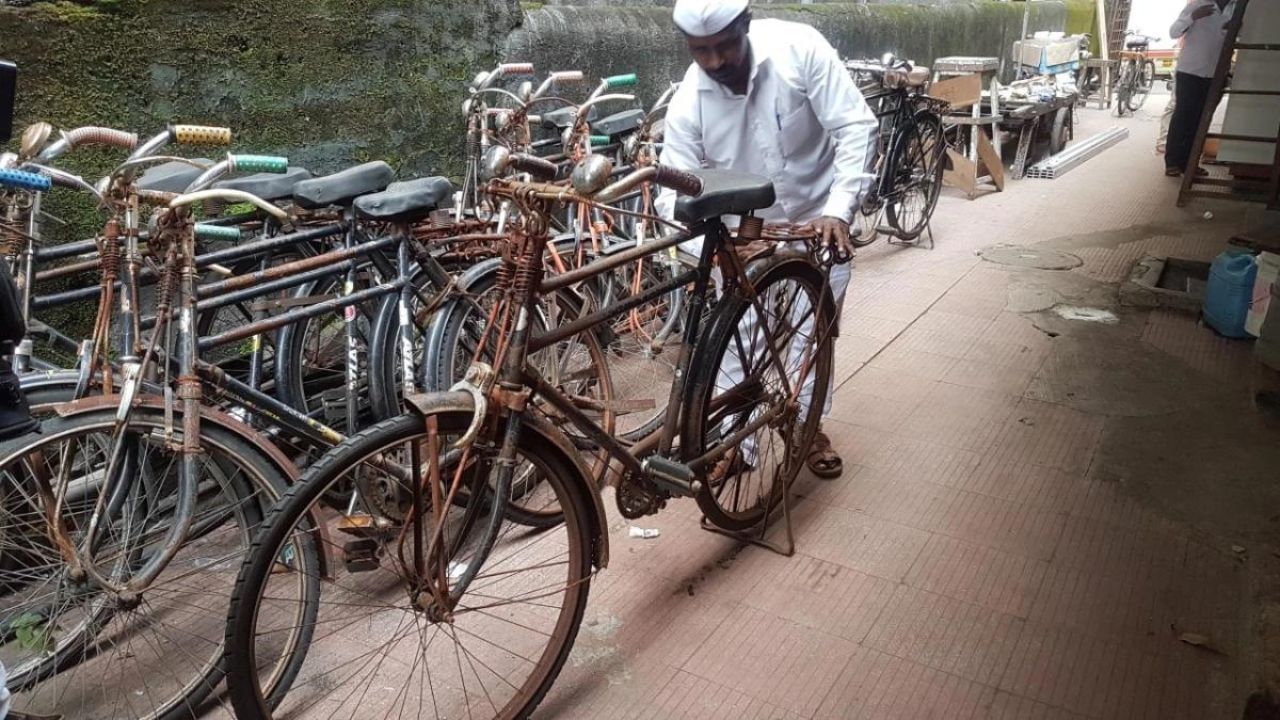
{"points": [[260, 163], [217, 232], [21, 180]]}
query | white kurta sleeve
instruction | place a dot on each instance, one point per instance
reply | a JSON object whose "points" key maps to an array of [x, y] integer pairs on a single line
{"points": [[682, 142], [844, 113]]}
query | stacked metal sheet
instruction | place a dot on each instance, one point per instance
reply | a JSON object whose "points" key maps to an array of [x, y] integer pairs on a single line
{"points": [[1059, 164]]}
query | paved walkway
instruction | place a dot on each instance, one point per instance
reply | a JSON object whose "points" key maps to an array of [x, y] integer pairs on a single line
{"points": [[1034, 510]]}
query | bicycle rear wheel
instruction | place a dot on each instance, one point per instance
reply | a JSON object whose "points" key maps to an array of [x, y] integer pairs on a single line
{"points": [[78, 651], [377, 650], [755, 360], [1124, 88], [916, 166]]}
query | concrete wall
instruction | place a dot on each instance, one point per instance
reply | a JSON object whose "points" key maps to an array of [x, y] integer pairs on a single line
{"points": [[641, 38]]}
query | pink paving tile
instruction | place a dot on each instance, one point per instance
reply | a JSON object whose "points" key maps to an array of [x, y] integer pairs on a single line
{"points": [[1181, 336], [820, 595], [978, 308], [879, 413], [911, 362], [1010, 380], [1001, 474], [910, 460], [884, 383], [1108, 606], [1052, 435], [942, 333], [1028, 531], [689, 697], [852, 350], [771, 659], [1000, 581], [959, 417], [1204, 596], [856, 540], [1012, 707], [1106, 501], [1100, 548], [917, 504], [1011, 340], [876, 686], [1154, 678], [946, 634], [860, 445], [873, 327]]}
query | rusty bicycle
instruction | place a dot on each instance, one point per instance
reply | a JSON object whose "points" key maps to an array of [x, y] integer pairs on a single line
{"points": [[455, 605]]}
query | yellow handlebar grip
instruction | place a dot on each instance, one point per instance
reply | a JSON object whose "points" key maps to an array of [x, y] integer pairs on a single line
{"points": [[201, 135]]}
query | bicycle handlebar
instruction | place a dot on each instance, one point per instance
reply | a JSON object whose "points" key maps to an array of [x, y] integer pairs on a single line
{"points": [[22, 180], [200, 135], [217, 232], [258, 163], [668, 177], [537, 167], [229, 195], [88, 135]]}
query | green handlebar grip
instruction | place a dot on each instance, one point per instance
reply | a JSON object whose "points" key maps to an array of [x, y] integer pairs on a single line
{"points": [[599, 140], [217, 232], [617, 81], [260, 163]]}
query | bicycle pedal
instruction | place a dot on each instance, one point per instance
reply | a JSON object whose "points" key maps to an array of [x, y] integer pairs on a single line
{"points": [[360, 555], [674, 477]]}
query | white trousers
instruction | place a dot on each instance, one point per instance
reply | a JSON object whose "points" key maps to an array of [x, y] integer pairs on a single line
{"points": [[749, 345]]}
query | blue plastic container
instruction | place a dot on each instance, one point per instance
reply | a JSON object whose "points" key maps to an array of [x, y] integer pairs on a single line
{"points": [[1230, 289]]}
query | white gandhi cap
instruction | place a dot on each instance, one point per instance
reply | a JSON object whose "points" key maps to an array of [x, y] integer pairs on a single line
{"points": [[703, 18]]}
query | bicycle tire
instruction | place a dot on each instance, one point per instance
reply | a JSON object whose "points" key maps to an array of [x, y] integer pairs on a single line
{"points": [[924, 162], [57, 683], [1124, 88], [703, 428], [301, 502], [868, 225]]}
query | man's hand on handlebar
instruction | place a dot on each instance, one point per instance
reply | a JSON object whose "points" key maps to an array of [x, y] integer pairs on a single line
{"points": [[834, 231]]}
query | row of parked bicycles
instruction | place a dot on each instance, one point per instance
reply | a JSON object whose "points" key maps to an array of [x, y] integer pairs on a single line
{"points": [[334, 446]]}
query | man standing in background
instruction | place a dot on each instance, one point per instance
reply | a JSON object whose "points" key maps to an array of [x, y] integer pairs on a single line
{"points": [[1202, 28]]}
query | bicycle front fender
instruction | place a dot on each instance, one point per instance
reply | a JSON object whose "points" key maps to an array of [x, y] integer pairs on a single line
{"points": [[426, 404]]}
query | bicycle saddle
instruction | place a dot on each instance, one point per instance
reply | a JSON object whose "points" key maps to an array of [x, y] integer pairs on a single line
{"points": [[406, 200], [342, 187], [725, 192], [170, 177], [561, 118], [618, 123], [268, 186]]}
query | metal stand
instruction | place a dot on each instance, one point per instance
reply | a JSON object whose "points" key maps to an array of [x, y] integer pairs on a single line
{"points": [[758, 537], [928, 229]]}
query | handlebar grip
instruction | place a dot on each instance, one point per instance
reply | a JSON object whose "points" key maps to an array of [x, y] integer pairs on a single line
{"points": [[598, 140], [217, 232], [678, 180], [535, 166], [259, 163], [92, 135], [21, 180], [617, 81], [567, 76], [201, 135], [509, 69], [155, 197]]}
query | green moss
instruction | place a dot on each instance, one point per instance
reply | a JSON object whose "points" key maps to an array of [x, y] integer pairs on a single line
{"points": [[531, 6], [327, 83]]}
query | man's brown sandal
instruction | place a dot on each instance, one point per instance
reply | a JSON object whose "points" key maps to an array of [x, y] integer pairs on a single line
{"points": [[823, 460]]}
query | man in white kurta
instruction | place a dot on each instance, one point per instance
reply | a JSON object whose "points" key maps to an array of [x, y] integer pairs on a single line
{"points": [[773, 98]]}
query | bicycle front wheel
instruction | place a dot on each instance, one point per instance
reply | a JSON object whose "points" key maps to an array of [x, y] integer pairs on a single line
{"points": [[78, 651], [377, 650], [764, 364]]}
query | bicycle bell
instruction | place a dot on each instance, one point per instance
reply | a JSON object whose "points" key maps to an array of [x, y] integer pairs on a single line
{"points": [[592, 174], [34, 139]]}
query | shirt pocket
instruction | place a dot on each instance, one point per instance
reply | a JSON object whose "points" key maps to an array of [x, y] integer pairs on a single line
{"points": [[800, 130]]}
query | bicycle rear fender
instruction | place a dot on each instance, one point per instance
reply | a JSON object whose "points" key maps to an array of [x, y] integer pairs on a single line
{"points": [[428, 403]]}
